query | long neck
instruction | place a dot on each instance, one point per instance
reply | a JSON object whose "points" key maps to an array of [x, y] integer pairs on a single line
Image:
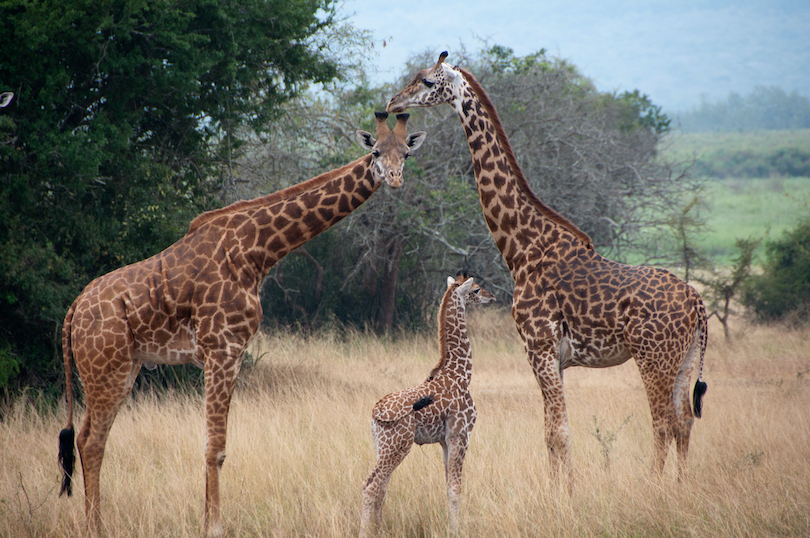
{"points": [[454, 344], [260, 232], [520, 223]]}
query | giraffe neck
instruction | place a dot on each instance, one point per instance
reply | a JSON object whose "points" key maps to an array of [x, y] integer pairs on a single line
{"points": [[454, 344], [520, 223], [257, 233]]}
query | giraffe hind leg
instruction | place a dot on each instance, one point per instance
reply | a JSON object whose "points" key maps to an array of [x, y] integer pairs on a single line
{"points": [[684, 413], [392, 443], [92, 438]]}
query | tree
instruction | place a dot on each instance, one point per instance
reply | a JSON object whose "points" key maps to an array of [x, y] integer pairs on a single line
{"points": [[723, 287], [782, 291], [127, 114]]}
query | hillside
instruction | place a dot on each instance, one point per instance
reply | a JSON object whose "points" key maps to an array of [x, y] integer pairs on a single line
{"points": [[745, 154]]}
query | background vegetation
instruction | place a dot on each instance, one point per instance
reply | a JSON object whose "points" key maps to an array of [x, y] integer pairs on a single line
{"points": [[299, 448], [765, 108]]}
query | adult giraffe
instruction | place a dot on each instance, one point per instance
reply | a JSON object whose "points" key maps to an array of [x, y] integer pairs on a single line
{"points": [[198, 302], [571, 306]]}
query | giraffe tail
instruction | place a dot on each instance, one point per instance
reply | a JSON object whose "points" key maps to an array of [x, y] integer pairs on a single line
{"points": [[422, 403], [67, 454], [703, 337]]}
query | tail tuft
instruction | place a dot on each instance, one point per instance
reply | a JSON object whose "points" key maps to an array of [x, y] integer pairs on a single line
{"points": [[67, 459], [697, 397], [422, 403]]}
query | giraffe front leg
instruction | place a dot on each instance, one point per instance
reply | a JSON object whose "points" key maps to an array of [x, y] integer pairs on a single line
{"points": [[221, 372], [454, 451], [549, 376], [392, 442]]}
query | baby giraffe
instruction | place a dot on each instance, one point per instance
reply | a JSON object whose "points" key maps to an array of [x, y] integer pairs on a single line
{"points": [[440, 410]]}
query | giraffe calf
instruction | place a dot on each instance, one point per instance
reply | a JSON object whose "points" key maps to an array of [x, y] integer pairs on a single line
{"points": [[440, 410]]}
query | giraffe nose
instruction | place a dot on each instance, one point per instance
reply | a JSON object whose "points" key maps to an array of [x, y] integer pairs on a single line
{"points": [[394, 179]]}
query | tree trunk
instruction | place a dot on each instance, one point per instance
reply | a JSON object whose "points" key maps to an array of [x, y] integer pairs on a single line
{"points": [[388, 285]]}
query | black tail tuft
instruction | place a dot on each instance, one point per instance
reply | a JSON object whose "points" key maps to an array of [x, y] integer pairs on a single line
{"points": [[422, 403], [697, 396], [67, 459]]}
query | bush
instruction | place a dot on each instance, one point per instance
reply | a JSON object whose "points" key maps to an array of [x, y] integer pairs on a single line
{"points": [[783, 290]]}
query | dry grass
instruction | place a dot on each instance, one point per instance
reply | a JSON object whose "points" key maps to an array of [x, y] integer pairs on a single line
{"points": [[299, 448]]}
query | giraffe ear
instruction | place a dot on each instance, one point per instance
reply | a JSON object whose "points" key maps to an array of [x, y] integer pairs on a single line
{"points": [[366, 140], [414, 140], [464, 289], [450, 281], [450, 74]]}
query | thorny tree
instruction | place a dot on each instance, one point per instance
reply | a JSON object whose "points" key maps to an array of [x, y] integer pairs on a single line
{"points": [[592, 156]]}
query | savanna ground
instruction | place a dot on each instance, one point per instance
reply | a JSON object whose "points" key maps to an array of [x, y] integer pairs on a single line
{"points": [[299, 448]]}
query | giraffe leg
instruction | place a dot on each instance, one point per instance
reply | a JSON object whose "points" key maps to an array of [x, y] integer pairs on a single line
{"points": [[547, 372], [221, 371], [659, 380], [392, 442], [92, 438], [683, 409], [454, 450]]}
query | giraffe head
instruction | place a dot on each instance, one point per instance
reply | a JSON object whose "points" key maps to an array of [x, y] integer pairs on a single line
{"points": [[468, 291], [432, 86], [391, 148]]}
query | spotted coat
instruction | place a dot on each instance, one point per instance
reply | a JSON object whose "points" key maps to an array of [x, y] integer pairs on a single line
{"points": [[440, 410]]}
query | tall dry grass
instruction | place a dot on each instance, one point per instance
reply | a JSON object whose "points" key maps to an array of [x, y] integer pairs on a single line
{"points": [[299, 448]]}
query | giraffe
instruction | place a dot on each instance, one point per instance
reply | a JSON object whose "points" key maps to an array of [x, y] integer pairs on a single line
{"points": [[198, 302], [571, 306], [440, 410]]}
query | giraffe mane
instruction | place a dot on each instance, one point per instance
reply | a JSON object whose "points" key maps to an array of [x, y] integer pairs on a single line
{"points": [[283, 194], [445, 353], [523, 184]]}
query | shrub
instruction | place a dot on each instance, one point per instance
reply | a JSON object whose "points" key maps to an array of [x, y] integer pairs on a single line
{"points": [[783, 290]]}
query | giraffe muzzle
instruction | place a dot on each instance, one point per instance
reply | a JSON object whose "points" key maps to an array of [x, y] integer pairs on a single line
{"points": [[394, 180]]}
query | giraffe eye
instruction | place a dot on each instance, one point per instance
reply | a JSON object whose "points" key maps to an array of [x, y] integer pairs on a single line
{"points": [[428, 83]]}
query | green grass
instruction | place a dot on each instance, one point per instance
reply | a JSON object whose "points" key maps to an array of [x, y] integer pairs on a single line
{"points": [[682, 147], [743, 208]]}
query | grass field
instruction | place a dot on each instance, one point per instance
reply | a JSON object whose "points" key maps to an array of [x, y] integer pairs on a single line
{"points": [[299, 448], [752, 208], [743, 207]]}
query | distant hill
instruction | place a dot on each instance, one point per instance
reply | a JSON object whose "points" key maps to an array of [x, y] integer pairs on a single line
{"points": [[758, 154]]}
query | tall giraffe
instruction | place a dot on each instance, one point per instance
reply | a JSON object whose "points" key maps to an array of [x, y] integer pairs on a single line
{"points": [[198, 302], [572, 307], [440, 410]]}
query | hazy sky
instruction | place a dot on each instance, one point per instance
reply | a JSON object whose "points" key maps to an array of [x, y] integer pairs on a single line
{"points": [[674, 51]]}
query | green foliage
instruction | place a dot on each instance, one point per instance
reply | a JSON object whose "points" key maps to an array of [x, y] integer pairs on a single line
{"points": [[124, 113], [640, 111], [766, 108], [783, 290]]}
